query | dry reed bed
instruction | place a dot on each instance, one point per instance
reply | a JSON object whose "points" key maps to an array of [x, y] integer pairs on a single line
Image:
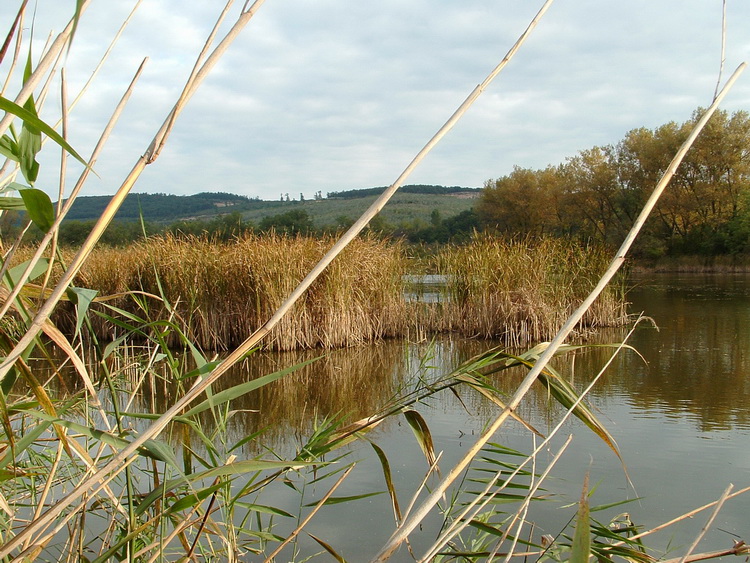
{"points": [[523, 291], [224, 291], [517, 291]]}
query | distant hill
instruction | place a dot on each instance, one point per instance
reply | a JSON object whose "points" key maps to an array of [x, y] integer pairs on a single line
{"points": [[410, 189], [412, 202], [161, 207]]}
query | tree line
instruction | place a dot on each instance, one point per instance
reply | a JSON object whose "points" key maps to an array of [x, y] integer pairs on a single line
{"points": [[594, 195], [457, 228], [597, 194]]}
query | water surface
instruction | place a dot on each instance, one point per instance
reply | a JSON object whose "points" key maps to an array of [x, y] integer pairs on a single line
{"points": [[678, 410]]}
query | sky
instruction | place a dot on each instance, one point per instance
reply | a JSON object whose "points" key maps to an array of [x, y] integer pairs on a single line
{"points": [[331, 95]]}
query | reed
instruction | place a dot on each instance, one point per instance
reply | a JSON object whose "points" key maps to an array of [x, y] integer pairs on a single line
{"points": [[224, 291], [517, 291], [521, 291]]}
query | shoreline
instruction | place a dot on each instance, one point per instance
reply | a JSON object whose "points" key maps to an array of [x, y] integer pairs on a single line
{"points": [[721, 264]]}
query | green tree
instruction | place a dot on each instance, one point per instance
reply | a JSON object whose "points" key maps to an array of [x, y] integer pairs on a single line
{"points": [[525, 202], [292, 223]]}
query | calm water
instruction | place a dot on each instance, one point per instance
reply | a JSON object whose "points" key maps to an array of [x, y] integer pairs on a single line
{"points": [[680, 413]]}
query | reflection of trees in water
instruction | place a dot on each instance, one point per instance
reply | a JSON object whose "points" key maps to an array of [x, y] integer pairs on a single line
{"points": [[697, 366], [698, 362], [351, 383]]}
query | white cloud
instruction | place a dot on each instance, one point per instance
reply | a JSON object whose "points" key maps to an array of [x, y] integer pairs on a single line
{"points": [[332, 95]]}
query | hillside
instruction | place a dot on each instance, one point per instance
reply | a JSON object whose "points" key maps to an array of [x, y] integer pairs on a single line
{"points": [[411, 203], [161, 207]]}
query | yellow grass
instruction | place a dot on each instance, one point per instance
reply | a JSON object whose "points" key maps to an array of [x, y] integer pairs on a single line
{"points": [[224, 291]]}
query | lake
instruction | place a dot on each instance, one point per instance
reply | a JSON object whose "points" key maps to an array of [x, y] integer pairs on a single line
{"points": [[678, 410]]}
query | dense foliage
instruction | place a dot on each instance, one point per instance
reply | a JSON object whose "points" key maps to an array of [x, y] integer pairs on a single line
{"points": [[598, 193]]}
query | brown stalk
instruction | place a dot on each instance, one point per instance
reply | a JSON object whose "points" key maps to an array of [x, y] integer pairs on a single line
{"points": [[13, 27], [17, 24], [39, 72], [723, 44], [403, 531], [48, 483], [685, 516], [708, 523], [105, 56], [739, 548]]}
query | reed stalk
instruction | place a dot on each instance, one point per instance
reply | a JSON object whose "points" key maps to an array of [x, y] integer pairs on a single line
{"points": [[125, 456]]}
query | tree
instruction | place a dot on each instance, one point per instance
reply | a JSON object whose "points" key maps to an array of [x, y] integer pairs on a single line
{"points": [[291, 222], [522, 202], [599, 192]]}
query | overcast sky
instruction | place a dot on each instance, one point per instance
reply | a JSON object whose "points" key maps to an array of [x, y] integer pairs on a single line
{"points": [[329, 95]]}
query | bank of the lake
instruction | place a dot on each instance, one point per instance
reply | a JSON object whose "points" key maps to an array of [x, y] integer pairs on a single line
{"points": [[718, 264]]}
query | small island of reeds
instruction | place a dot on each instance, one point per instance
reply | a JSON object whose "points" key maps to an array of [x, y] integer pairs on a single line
{"points": [[518, 291]]}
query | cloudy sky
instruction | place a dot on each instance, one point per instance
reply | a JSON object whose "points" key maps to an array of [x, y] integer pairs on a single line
{"points": [[329, 95]]}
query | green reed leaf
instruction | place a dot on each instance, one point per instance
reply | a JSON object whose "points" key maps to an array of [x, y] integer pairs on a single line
{"points": [[422, 433], [190, 500], [263, 509], [151, 448], [34, 121], [31, 433], [39, 207], [29, 142], [16, 272], [12, 204], [561, 390], [235, 469], [82, 299], [386, 467], [244, 388], [328, 548], [9, 148], [341, 500]]}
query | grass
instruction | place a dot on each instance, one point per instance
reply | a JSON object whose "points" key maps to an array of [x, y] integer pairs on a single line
{"points": [[522, 291], [404, 208]]}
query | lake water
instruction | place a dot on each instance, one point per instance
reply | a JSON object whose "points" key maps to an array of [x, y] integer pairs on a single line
{"points": [[679, 411]]}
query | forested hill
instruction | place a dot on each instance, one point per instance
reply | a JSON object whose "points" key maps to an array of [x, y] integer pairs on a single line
{"points": [[410, 189], [162, 207]]}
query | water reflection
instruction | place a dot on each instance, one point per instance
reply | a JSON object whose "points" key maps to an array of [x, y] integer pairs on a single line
{"points": [[698, 361], [696, 366]]}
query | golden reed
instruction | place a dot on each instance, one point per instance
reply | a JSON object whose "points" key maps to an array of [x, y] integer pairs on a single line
{"points": [[517, 291]]}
